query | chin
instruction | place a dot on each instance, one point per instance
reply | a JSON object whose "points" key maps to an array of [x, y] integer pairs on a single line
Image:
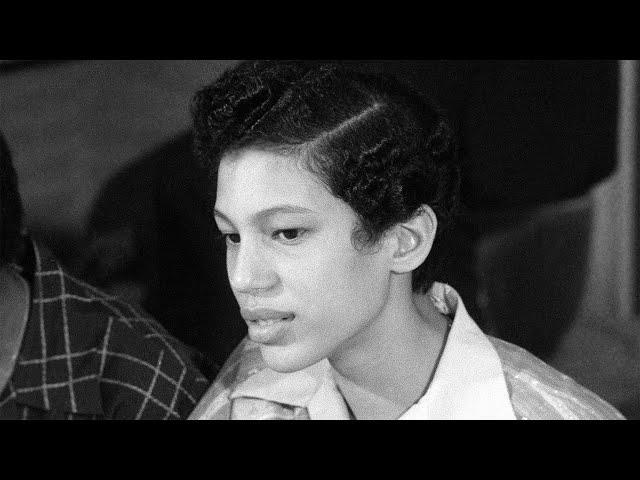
{"points": [[286, 359]]}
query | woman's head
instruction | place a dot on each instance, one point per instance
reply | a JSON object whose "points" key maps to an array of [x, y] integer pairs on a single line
{"points": [[376, 144], [331, 186]]}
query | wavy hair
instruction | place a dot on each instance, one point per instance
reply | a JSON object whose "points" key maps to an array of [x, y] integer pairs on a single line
{"points": [[374, 142]]}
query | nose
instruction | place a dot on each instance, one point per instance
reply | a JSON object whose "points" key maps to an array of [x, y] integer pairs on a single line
{"points": [[249, 270]]}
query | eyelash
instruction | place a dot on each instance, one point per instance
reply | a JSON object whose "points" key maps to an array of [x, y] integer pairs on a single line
{"points": [[225, 237], [300, 232]]}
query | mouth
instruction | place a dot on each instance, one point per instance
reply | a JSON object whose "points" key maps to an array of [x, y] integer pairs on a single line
{"points": [[267, 326], [264, 316], [265, 322]]}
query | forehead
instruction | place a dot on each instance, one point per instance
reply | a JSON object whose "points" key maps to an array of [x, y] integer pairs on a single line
{"points": [[252, 180]]}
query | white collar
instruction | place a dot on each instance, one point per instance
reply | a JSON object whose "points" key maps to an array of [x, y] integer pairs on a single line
{"points": [[468, 382]]}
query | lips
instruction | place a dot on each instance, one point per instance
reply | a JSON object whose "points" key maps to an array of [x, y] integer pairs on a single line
{"points": [[267, 326], [265, 315]]}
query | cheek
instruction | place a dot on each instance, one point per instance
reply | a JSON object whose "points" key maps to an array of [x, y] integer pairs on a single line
{"points": [[336, 293], [340, 285]]}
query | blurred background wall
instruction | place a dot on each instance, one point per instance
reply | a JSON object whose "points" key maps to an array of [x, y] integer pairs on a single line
{"points": [[71, 125], [102, 153]]}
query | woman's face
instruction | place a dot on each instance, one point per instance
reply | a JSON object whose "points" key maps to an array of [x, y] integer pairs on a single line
{"points": [[305, 292]]}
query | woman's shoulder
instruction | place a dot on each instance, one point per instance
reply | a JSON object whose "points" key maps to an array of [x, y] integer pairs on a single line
{"points": [[540, 392]]}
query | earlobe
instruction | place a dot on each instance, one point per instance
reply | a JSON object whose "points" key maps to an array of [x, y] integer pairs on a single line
{"points": [[413, 240]]}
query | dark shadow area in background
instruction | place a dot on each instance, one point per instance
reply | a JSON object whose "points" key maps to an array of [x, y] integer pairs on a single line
{"points": [[534, 135], [150, 240]]}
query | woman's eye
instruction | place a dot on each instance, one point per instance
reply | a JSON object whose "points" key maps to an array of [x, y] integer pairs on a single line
{"points": [[232, 238], [289, 235]]}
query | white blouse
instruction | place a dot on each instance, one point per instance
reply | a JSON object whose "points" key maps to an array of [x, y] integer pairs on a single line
{"points": [[478, 377]]}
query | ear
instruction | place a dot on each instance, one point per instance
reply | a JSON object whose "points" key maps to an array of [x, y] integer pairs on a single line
{"points": [[413, 240]]}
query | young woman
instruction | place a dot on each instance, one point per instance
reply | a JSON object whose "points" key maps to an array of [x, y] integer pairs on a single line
{"points": [[333, 190]]}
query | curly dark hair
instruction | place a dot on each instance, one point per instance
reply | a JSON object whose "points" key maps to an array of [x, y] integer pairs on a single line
{"points": [[375, 143], [10, 207]]}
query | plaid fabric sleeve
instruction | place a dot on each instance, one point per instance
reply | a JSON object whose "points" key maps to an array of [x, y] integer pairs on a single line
{"points": [[87, 354], [147, 375]]}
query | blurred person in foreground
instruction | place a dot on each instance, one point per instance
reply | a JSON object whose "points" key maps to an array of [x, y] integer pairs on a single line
{"points": [[70, 351], [333, 191]]}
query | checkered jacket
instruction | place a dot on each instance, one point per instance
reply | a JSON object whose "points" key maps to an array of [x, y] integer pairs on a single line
{"points": [[88, 355]]}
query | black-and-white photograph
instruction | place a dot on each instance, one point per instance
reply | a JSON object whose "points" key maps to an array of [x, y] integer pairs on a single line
{"points": [[319, 239]]}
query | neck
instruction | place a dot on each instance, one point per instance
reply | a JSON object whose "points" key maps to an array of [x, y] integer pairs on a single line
{"points": [[385, 369]]}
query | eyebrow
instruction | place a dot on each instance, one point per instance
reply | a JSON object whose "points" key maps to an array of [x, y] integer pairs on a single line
{"points": [[269, 212]]}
